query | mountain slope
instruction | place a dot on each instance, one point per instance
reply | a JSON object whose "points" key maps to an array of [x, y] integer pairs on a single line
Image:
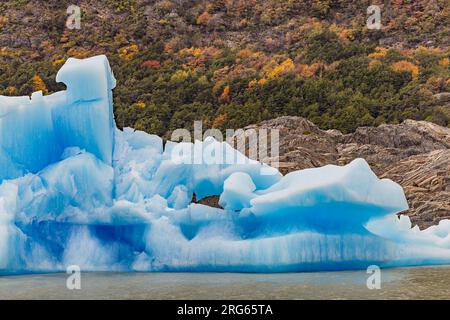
{"points": [[231, 63]]}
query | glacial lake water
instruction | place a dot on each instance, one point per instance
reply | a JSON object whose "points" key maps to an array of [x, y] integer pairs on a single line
{"points": [[399, 283]]}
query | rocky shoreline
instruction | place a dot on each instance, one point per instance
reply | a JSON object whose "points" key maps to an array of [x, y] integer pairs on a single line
{"points": [[415, 154]]}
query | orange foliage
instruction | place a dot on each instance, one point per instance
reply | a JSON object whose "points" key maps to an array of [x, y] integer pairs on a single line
{"points": [[39, 84], [196, 57], [262, 81], [341, 32], [374, 63], [171, 45], [255, 60], [151, 64], [225, 96], [312, 27], [307, 71], [47, 46], [3, 20], [196, 52], [407, 66], [239, 7], [252, 83], [204, 18], [11, 90], [380, 52], [244, 53], [219, 120], [444, 62], [140, 104], [128, 52]]}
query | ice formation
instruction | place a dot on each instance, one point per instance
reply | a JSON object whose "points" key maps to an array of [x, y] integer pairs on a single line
{"points": [[75, 190]]}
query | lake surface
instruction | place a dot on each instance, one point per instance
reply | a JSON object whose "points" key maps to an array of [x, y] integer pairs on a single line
{"points": [[401, 283]]}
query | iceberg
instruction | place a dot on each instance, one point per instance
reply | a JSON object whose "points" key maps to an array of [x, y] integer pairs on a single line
{"points": [[75, 190]]}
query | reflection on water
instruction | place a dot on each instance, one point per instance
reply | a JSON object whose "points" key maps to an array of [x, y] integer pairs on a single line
{"points": [[402, 283]]}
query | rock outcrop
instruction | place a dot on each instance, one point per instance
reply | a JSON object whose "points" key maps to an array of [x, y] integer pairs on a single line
{"points": [[415, 154]]}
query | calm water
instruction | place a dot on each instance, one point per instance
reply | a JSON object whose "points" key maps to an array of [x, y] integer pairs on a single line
{"points": [[404, 283]]}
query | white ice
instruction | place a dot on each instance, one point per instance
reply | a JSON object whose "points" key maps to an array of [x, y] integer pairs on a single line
{"points": [[76, 190]]}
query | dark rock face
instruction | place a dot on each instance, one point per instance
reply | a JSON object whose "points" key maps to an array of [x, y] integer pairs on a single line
{"points": [[302, 144], [426, 181], [415, 154], [211, 201]]}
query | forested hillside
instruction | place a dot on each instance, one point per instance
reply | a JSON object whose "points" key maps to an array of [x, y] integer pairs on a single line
{"points": [[235, 62]]}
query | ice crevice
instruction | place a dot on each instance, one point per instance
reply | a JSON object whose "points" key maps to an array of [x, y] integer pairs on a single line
{"points": [[74, 189]]}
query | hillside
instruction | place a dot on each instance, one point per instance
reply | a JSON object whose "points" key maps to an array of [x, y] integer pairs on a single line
{"points": [[231, 63]]}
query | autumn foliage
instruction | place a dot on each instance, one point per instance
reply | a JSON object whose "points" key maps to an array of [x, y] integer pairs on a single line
{"points": [[151, 64], [406, 66], [39, 84]]}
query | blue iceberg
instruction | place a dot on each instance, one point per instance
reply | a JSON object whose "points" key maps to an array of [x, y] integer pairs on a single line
{"points": [[75, 190]]}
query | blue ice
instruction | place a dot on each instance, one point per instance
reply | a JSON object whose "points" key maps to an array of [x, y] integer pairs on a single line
{"points": [[75, 190]]}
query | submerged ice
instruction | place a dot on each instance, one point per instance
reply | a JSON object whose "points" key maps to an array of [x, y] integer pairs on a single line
{"points": [[75, 190]]}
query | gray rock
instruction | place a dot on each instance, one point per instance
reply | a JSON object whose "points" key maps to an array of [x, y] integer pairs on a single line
{"points": [[442, 97], [415, 154]]}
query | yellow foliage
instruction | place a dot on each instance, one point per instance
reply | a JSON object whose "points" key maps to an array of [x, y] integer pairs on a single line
{"points": [[205, 52], [179, 76], [252, 83], [261, 82], [140, 104], [380, 52], [9, 52], [203, 80], [39, 84], [78, 52], [427, 50], [128, 52], [196, 52], [282, 68], [406, 66], [58, 62]]}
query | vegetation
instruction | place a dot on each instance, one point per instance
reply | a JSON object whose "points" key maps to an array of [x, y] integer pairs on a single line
{"points": [[231, 63]]}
